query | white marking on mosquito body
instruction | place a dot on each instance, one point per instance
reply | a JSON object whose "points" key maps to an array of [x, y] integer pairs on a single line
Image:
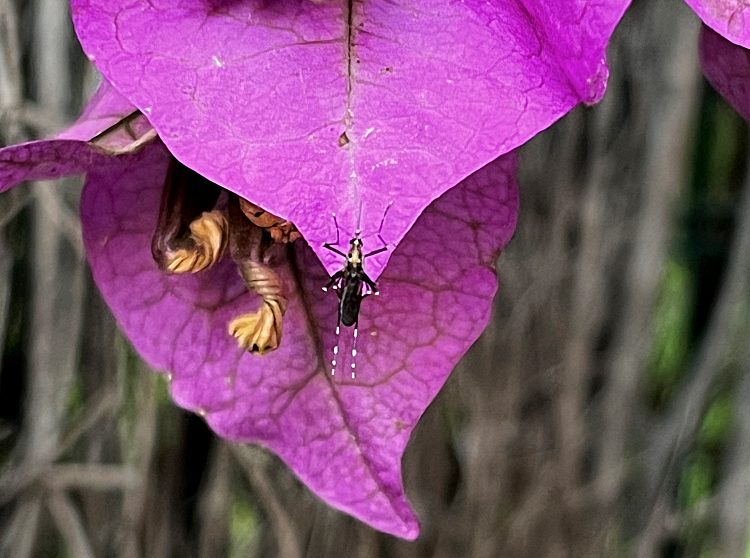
{"points": [[336, 350], [354, 352]]}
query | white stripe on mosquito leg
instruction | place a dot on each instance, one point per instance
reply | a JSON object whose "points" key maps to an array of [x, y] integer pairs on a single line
{"points": [[333, 361], [335, 351], [354, 349]]}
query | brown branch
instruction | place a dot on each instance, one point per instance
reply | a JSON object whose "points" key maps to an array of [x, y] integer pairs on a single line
{"points": [[726, 335], [144, 440], [252, 462], [215, 504], [29, 115], [90, 476], [70, 525], [733, 493], [64, 218], [667, 144], [15, 480]]}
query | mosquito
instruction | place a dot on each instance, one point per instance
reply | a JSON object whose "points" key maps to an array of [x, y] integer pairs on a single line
{"points": [[352, 284]]}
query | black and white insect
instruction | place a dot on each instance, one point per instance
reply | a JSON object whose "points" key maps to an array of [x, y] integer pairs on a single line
{"points": [[352, 284]]}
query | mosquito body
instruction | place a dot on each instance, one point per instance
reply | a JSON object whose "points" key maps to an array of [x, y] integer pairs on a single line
{"points": [[351, 285]]}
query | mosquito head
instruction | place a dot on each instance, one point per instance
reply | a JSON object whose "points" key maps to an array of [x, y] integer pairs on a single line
{"points": [[354, 257]]}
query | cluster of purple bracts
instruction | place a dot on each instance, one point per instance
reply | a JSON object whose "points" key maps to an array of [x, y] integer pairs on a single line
{"points": [[306, 109]]}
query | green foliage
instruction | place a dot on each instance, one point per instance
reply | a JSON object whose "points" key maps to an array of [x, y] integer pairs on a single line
{"points": [[716, 423], [699, 478], [243, 527], [671, 338]]}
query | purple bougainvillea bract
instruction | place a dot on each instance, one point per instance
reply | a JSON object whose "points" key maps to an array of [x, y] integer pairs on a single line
{"points": [[729, 18], [343, 437], [307, 109], [727, 67]]}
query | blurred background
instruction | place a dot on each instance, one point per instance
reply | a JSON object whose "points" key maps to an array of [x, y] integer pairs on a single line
{"points": [[605, 412]]}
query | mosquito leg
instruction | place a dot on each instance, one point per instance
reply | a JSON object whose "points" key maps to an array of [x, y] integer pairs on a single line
{"points": [[335, 222], [354, 349], [336, 346], [382, 221], [332, 248], [378, 251], [332, 283], [381, 239], [379, 234], [370, 283]]}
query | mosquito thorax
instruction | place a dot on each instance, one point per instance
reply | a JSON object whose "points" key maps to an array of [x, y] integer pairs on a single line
{"points": [[354, 257]]}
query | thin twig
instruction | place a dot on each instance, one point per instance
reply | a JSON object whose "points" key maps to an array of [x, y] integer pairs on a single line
{"points": [[70, 525], [250, 459]]}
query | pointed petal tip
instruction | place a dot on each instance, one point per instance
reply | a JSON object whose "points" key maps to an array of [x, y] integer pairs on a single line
{"points": [[727, 68], [552, 60], [728, 18], [411, 531]]}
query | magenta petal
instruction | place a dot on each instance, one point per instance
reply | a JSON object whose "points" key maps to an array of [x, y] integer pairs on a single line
{"points": [[727, 67], [344, 438], [105, 109], [267, 98], [730, 18], [46, 159], [69, 152]]}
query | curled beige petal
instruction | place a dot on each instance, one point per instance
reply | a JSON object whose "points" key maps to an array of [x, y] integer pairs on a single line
{"points": [[209, 235], [260, 331]]}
